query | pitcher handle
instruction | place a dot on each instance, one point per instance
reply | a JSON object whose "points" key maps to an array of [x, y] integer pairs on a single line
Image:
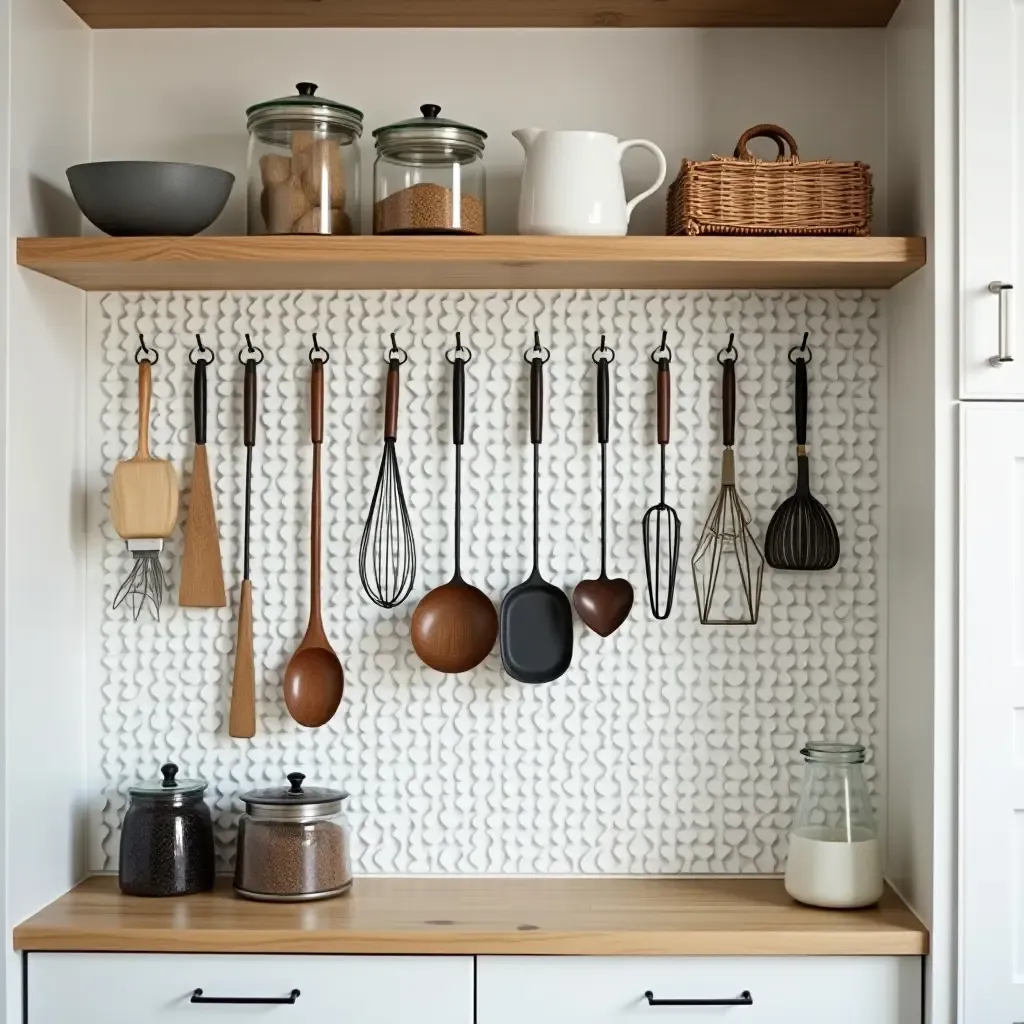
{"points": [[662, 170]]}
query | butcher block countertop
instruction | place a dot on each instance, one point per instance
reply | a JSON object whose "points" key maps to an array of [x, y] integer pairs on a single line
{"points": [[585, 917]]}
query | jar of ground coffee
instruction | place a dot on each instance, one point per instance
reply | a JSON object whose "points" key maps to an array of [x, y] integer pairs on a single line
{"points": [[167, 838], [292, 844]]}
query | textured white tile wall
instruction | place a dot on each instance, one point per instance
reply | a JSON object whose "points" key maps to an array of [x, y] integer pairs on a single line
{"points": [[667, 748]]}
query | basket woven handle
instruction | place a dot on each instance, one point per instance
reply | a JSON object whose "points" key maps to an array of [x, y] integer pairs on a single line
{"points": [[778, 135]]}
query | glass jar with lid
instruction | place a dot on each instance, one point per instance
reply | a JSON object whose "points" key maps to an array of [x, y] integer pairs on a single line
{"points": [[293, 844], [834, 857], [303, 165], [428, 177], [166, 838]]}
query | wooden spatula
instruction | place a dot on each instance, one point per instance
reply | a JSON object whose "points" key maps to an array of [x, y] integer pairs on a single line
{"points": [[202, 573], [144, 492]]}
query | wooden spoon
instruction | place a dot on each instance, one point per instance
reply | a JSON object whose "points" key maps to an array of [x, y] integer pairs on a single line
{"points": [[455, 625], [314, 679]]}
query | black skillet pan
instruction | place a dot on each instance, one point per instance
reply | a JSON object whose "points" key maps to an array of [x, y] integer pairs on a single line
{"points": [[535, 627]]}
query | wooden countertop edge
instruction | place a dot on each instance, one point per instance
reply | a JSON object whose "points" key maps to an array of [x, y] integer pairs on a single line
{"points": [[727, 942]]}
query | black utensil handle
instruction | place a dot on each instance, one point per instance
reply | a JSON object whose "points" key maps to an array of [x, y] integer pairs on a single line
{"points": [[536, 401], [391, 402], [458, 401], [801, 401], [199, 401], [664, 401], [288, 1000], [743, 999], [250, 403], [602, 401], [316, 394], [729, 402]]}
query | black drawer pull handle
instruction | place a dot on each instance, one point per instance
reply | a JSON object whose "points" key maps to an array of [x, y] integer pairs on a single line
{"points": [[743, 999], [289, 1000]]}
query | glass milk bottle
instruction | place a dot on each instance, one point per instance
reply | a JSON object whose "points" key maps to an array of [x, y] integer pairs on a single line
{"points": [[834, 856]]}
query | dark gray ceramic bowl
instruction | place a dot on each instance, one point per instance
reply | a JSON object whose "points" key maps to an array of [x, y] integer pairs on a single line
{"points": [[148, 197]]}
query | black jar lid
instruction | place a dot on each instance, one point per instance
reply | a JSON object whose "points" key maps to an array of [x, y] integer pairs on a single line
{"points": [[170, 786], [311, 799]]}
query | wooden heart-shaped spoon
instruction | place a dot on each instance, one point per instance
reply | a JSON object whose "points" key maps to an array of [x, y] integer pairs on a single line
{"points": [[314, 679], [603, 604]]}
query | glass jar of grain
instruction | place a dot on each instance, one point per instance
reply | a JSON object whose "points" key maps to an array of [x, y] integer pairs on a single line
{"points": [[428, 177], [292, 844], [303, 165]]}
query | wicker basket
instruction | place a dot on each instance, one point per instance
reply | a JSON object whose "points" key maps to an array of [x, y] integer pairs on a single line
{"points": [[742, 195]]}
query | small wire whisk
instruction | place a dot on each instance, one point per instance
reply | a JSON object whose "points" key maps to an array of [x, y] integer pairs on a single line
{"points": [[661, 522], [728, 567], [387, 551], [146, 582]]}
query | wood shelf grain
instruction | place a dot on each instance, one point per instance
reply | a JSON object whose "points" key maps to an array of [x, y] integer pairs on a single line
{"points": [[587, 917], [484, 13], [209, 263]]}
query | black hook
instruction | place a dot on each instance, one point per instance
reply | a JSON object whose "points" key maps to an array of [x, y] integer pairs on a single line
{"points": [[145, 353], [320, 351], [538, 352], [808, 355], [662, 353], [459, 352], [202, 351], [396, 354], [603, 354], [730, 349], [250, 350]]}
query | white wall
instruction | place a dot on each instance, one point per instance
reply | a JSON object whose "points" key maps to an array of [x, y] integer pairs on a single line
{"points": [[182, 94], [42, 356], [922, 505]]}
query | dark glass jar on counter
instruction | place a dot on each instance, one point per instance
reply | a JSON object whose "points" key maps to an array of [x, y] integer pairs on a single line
{"points": [[167, 838]]}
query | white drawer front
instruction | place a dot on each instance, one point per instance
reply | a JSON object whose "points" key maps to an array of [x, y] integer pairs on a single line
{"points": [[131, 988], [784, 990]]}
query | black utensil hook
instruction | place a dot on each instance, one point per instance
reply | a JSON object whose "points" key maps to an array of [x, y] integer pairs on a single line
{"points": [[729, 354], [145, 354], [537, 352], [801, 350], [201, 354], [251, 353], [318, 354], [662, 353], [603, 354], [396, 354], [460, 353]]}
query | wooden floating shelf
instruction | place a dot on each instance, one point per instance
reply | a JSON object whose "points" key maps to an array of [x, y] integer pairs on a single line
{"points": [[583, 917], [208, 263], [485, 13]]}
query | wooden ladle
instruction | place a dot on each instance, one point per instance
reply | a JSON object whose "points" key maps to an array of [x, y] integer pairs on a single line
{"points": [[455, 625], [314, 679], [603, 604]]}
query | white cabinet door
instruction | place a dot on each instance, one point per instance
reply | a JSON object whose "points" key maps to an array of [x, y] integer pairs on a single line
{"points": [[720, 990], [137, 988], [992, 194], [992, 712]]}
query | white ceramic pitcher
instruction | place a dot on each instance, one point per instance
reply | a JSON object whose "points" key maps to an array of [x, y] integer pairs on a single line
{"points": [[572, 182]]}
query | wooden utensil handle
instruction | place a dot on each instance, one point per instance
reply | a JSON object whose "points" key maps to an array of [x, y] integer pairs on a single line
{"points": [[316, 401], [801, 401], [199, 401], [728, 402], [249, 429], [664, 401], [602, 401], [145, 400], [391, 402], [536, 401], [458, 401]]}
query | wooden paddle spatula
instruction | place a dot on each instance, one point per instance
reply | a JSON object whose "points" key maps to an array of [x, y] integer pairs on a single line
{"points": [[144, 492], [202, 573]]}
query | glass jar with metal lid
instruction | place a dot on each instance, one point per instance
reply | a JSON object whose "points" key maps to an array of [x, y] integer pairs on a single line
{"points": [[166, 838], [303, 165], [292, 844], [428, 177]]}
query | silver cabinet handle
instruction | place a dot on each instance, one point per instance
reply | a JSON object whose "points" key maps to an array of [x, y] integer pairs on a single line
{"points": [[1003, 291]]}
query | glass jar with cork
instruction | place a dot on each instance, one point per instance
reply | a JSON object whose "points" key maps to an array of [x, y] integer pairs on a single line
{"points": [[428, 177], [303, 165], [293, 844]]}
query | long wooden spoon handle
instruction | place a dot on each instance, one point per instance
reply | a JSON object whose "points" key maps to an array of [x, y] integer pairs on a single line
{"points": [[242, 715], [145, 400], [316, 394]]}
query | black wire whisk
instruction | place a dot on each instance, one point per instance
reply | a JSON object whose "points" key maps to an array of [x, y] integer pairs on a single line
{"points": [[387, 551]]}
